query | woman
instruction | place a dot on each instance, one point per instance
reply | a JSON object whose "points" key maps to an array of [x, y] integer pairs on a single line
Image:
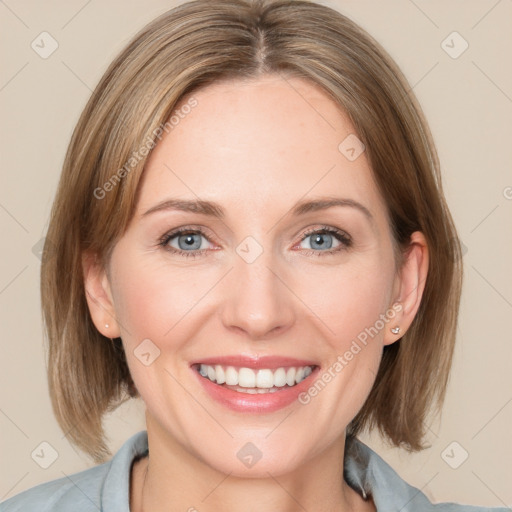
{"points": [[250, 235]]}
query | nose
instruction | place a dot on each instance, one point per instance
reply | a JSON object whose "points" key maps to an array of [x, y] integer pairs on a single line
{"points": [[257, 301]]}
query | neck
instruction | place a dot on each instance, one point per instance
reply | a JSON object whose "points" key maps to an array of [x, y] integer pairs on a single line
{"points": [[172, 478]]}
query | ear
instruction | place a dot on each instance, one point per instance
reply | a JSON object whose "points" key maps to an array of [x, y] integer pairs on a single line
{"points": [[409, 286], [99, 296]]}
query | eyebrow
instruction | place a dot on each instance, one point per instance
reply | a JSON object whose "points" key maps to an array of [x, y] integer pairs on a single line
{"points": [[215, 210]]}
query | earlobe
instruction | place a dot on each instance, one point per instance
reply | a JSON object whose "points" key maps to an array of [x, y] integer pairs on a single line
{"points": [[411, 283], [99, 297]]}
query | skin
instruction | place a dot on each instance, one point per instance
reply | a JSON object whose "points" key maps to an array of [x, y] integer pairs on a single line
{"points": [[256, 148]]}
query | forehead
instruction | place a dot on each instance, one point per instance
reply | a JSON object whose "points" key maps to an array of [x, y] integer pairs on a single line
{"points": [[261, 144]]}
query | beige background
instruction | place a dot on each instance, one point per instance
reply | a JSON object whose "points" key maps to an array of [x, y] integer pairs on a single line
{"points": [[468, 101]]}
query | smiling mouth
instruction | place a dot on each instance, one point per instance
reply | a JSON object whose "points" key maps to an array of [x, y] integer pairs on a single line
{"points": [[254, 381]]}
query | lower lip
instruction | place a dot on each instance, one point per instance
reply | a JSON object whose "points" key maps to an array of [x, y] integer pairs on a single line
{"points": [[264, 402]]}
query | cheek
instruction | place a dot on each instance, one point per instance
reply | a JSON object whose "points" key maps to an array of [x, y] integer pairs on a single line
{"points": [[150, 299], [164, 305], [350, 299], [354, 310], [157, 304]]}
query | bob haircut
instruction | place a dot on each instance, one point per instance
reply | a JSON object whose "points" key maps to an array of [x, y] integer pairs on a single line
{"points": [[190, 47]]}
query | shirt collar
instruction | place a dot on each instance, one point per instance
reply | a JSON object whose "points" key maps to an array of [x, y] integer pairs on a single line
{"points": [[364, 471]]}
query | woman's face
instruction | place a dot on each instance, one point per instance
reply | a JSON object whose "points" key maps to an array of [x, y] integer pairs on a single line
{"points": [[255, 280]]}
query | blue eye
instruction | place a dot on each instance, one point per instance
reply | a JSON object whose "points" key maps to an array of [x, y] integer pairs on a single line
{"points": [[193, 242], [322, 240], [189, 242]]}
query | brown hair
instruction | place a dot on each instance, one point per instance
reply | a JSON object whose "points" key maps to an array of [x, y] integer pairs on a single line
{"points": [[191, 46]]}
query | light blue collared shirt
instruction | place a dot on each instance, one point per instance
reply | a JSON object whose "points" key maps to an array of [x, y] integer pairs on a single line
{"points": [[106, 487]]}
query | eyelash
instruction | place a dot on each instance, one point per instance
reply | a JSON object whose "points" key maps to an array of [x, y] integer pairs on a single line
{"points": [[341, 236]]}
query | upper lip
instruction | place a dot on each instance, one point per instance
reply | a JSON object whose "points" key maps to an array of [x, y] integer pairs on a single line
{"points": [[254, 361]]}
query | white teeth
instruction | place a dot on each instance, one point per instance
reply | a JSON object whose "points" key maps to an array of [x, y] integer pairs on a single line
{"points": [[280, 377], [255, 381], [264, 379], [246, 378], [231, 376], [219, 374], [290, 376], [252, 391]]}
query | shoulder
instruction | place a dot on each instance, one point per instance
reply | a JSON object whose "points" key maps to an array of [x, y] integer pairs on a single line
{"points": [[367, 473], [87, 491], [80, 492]]}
